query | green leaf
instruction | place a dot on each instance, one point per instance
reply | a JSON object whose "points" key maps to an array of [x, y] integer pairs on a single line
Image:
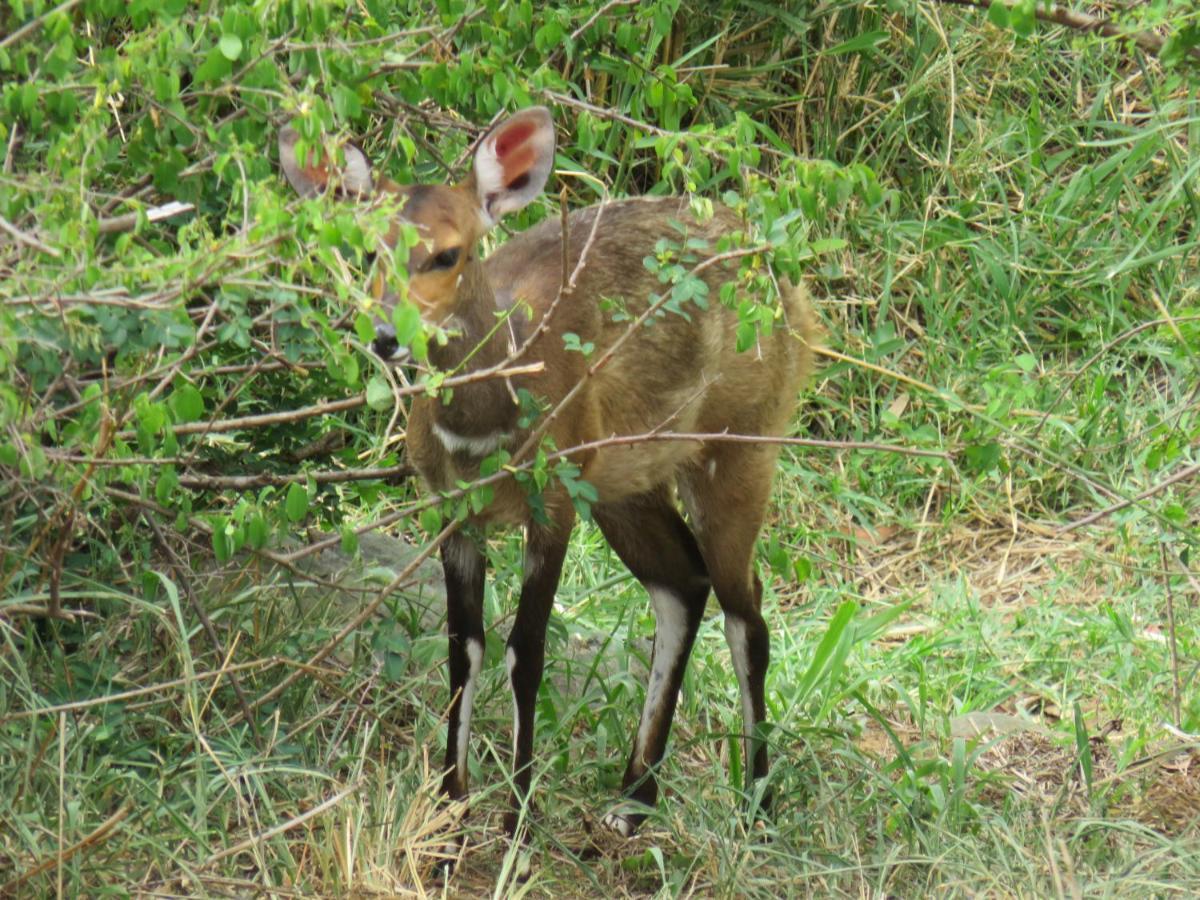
{"points": [[406, 319], [296, 504], [825, 652], [998, 13], [230, 46], [802, 569], [216, 67], [220, 539], [257, 531], [364, 328], [431, 520], [187, 403], [1083, 746], [349, 541], [826, 245], [379, 393], [866, 41], [1022, 19], [981, 458]]}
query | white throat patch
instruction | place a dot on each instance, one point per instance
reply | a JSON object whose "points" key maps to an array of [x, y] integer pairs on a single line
{"points": [[475, 445]]}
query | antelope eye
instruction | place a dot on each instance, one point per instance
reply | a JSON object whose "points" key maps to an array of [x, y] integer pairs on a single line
{"points": [[446, 259]]}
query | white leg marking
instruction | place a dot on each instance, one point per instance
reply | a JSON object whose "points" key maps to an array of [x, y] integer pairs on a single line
{"points": [[510, 660], [463, 556], [735, 635], [618, 822], [533, 565], [475, 657], [670, 631]]}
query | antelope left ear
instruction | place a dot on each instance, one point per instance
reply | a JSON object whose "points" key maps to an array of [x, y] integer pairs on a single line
{"points": [[312, 178], [513, 162]]}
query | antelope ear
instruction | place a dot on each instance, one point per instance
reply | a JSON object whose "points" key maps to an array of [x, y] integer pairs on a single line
{"points": [[513, 162], [312, 178]]}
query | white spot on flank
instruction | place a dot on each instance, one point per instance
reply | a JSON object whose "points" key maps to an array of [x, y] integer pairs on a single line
{"points": [[480, 445], [670, 630], [475, 658], [712, 468], [739, 649], [510, 661]]}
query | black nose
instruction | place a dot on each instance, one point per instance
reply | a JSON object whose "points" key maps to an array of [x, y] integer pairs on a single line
{"points": [[385, 345]]}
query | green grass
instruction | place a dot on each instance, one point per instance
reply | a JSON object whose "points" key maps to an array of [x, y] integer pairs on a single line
{"points": [[1025, 299]]}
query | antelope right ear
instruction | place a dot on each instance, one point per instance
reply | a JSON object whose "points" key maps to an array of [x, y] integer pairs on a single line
{"points": [[313, 178], [514, 161]]}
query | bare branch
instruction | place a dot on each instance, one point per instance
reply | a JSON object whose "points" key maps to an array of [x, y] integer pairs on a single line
{"points": [[263, 479], [1149, 41], [265, 419], [128, 221], [725, 437], [1182, 475], [34, 24], [27, 239], [99, 834], [403, 577]]}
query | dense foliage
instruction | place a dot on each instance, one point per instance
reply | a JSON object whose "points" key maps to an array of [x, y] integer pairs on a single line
{"points": [[999, 218]]}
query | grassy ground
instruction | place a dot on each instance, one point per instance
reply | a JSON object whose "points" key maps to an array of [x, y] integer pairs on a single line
{"points": [[969, 695]]}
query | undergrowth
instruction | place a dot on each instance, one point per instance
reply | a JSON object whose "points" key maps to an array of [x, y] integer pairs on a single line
{"points": [[981, 588]]}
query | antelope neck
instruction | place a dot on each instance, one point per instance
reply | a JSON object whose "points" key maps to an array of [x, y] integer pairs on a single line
{"points": [[480, 414]]}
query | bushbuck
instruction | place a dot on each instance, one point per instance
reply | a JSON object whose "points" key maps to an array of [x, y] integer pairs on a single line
{"points": [[651, 371]]}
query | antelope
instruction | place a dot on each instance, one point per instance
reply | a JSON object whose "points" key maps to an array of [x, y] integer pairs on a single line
{"points": [[678, 370]]}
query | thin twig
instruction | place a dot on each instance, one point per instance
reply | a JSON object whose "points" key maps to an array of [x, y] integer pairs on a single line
{"points": [[95, 836], [291, 823], [1149, 41], [129, 221], [265, 479], [34, 24], [264, 419], [132, 694], [1171, 643], [60, 522], [27, 239], [365, 613], [725, 437], [335, 406], [180, 571], [1182, 475]]}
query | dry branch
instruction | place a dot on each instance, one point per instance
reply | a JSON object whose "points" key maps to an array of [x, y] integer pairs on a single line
{"points": [[265, 479], [128, 221], [403, 577], [1149, 41], [99, 834], [1182, 475], [263, 420]]}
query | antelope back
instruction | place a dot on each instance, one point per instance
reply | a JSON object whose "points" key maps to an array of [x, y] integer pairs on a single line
{"points": [[679, 372]]}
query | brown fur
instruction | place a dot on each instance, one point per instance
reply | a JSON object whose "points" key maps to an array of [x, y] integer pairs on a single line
{"points": [[673, 374], [678, 372]]}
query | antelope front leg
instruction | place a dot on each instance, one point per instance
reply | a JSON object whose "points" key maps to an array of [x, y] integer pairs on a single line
{"points": [[463, 565], [545, 548]]}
